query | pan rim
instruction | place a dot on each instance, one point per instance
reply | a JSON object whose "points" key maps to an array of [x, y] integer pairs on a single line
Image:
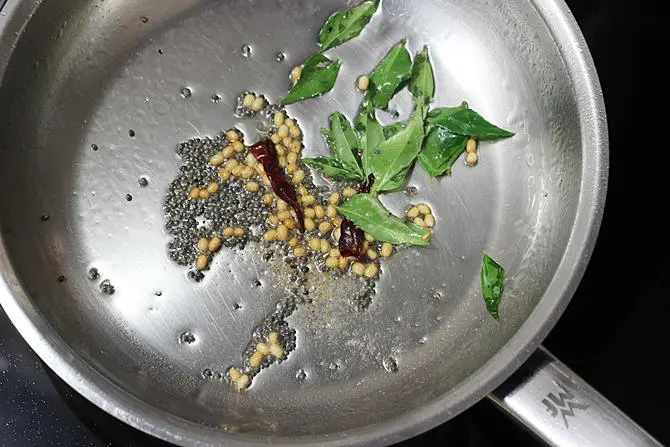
{"points": [[44, 340]]}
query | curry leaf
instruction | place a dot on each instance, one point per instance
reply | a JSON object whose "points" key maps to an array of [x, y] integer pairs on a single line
{"points": [[367, 212], [467, 122], [392, 129], [397, 154], [318, 77], [370, 132], [439, 117], [332, 168], [422, 83], [390, 76], [346, 24], [343, 143], [493, 284], [440, 151]]}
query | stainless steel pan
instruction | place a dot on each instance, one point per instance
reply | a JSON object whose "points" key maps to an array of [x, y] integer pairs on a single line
{"points": [[78, 73]]}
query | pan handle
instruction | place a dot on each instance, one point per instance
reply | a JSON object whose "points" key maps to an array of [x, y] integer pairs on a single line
{"points": [[562, 409]]}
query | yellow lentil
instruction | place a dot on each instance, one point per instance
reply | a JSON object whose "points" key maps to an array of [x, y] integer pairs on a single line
{"points": [[215, 244], [334, 199], [212, 188], [277, 350], [203, 244], [252, 187], [371, 271], [201, 262], [282, 233], [299, 176], [228, 151], [256, 360], [332, 263], [217, 159], [349, 192], [358, 268], [248, 101], [387, 250], [325, 227]]}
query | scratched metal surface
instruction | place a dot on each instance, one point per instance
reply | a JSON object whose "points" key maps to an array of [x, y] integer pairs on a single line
{"points": [[91, 71]]}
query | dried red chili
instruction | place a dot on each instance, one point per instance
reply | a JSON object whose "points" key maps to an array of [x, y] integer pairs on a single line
{"points": [[351, 239], [266, 154]]}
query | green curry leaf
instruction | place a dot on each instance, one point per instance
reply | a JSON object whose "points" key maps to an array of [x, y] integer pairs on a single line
{"points": [[367, 212], [390, 76], [346, 24], [440, 151], [493, 285], [397, 154], [465, 121], [344, 144], [370, 132], [422, 83], [332, 168], [319, 75]]}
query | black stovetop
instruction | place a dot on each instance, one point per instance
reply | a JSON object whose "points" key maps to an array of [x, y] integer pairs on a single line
{"points": [[612, 333]]}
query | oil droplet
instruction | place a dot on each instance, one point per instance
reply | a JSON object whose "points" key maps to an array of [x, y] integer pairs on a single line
{"points": [[185, 92], [187, 338], [423, 340], [281, 56], [129, 197], [391, 364], [94, 147], [300, 375], [143, 181], [158, 293], [144, 19], [207, 373], [160, 51], [246, 50], [334, 366], [216, 98], [131, 133], [93, 274], [45, 217], [411, 191], [107, 288], [237, 306], [61, 278], [530, 159]]}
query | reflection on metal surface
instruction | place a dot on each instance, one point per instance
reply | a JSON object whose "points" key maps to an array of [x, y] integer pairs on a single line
{"points": [[559, 407], [562, 402], [86, 74]]}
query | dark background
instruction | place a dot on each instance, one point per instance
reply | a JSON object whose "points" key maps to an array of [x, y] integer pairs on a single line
{"points": [[612, 334]]}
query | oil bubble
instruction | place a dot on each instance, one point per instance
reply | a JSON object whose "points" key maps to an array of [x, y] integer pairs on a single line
{"points": [[391, 364]]}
